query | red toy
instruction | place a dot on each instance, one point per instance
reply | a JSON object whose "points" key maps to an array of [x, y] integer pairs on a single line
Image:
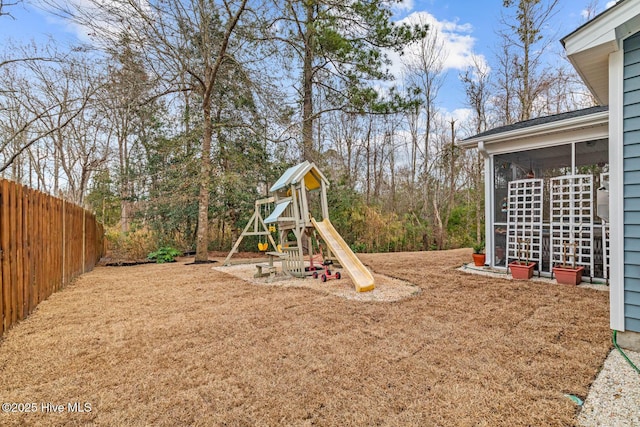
{"points": [[325, 264], [327, 273]]}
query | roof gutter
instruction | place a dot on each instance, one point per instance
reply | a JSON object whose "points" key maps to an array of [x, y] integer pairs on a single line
{"points": [[559, 126]]}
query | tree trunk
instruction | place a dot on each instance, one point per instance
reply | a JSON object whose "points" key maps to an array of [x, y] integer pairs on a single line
{"points": [[392, 171], [307, 83], [125, 196], [368, 180], [440, 231], [444, 223], [202, 237]]}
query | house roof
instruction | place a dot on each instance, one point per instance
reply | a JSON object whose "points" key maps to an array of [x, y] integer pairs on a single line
{"points": [[594, 19], [548, 124], [588, 47]]}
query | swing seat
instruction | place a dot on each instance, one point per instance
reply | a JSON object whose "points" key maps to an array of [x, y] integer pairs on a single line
{"points": [[262, 247]]}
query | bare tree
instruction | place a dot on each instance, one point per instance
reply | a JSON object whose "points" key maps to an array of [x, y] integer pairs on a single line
{"points": [[24, 102], [526, 43], [176, 39], [79, 148], [443, 206], [476, 80], [565, 91], [347, 134], [423, 65], [504, 104], [4, 4], [127, 105], [591, 10], [423, 69]]}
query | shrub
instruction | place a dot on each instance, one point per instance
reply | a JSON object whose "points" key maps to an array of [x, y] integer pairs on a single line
{"points": [[164, 254], [358, 247], [133, 245]]}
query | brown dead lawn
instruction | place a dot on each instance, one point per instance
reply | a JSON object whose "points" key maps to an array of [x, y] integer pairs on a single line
{"points": [[178, 344]]}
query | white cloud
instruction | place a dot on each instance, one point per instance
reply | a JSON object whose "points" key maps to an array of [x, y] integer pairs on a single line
{"points": [[458, 42], [587, 14], [95, 21], [461, 115], [403, 6]]}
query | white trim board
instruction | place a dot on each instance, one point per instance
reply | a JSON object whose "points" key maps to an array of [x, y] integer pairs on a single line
{"points": [[584, 128], [588, 48], [616, 200]]}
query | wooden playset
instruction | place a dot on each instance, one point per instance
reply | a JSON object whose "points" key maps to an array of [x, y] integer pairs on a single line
{"points": [[301, 190]]}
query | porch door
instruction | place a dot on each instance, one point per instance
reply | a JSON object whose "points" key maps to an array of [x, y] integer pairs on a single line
{"points": [[572, 227], [524, 220]]}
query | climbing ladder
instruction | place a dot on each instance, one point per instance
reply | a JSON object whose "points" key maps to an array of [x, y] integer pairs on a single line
{"points": [[524, 220], [571, 218]]}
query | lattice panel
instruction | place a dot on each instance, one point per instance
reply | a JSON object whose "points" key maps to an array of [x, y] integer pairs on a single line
{"points": [[524, 220], [572, 221]]}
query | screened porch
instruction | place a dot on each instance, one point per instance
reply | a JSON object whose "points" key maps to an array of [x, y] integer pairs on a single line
{"points": [[550, 206]]}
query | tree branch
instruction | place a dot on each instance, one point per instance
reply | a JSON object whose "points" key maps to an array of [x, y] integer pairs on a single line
{"points": [[39, 137]]}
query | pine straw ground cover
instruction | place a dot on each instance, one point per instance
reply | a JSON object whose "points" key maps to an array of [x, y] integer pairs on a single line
{"points": [[178, 344]]}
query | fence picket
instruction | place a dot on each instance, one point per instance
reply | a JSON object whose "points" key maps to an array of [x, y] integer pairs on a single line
{"points": [[13, 254], [45, 243], [19, 266], [39, 248], [26, 238], [4, 249]]}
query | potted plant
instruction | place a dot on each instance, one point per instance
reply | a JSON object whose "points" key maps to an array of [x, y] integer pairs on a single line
{"points": [[522, 268], [478, 254], [568, 274]]}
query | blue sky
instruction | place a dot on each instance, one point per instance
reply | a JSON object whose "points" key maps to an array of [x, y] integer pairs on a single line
{"points": [[469, 26]]}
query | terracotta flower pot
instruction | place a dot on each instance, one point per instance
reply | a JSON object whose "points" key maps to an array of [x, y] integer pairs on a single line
{"points": [[568, 275], [522, 271], [479, 259]]}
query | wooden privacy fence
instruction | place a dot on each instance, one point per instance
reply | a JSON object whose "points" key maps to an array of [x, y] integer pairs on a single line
{"points": [[45, 242]]}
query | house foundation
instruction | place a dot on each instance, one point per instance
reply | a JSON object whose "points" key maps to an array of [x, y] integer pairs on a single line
{"points": [[629, 340]]}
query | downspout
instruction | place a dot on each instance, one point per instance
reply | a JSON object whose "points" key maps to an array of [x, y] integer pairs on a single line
{"points": [[482, 150]]}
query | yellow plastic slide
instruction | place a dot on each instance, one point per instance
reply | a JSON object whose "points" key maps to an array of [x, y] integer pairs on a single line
{"points": [[360, 275]]}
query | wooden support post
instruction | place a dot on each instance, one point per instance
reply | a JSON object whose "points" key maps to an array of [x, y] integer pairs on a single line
{"points": [[4, 251], [19, 285], [84, 239], [235, 246], [64, 242], [13, 254]]}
